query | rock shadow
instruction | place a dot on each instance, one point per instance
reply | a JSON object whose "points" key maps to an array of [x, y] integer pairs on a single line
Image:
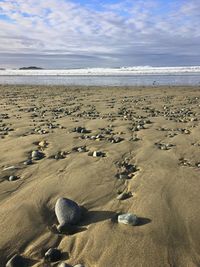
{"points": [[91, 217], [143, 221], [29, 262]]}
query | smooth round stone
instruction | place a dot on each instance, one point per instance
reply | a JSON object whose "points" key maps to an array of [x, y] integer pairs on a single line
{"points": [[67, 211], [97, 153], [53, 254], [36, 154], [128, 218], [78, 265], [15, 261], [12, 178]]}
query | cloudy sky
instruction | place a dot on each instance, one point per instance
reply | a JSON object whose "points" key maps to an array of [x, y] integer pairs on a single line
{"points": [[99, 33]]}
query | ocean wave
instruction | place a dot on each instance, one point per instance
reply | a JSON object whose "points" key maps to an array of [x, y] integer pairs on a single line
{"points": [[103, 71]]}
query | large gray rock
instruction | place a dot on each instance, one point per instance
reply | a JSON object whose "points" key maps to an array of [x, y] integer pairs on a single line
{"points": [[67, 211], [128, 218]]}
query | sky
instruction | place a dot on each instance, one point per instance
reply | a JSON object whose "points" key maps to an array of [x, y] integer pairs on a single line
{"points": [[99, 33]]}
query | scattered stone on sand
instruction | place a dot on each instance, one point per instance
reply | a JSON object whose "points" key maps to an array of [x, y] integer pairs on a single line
{"points": [[116, 139], [128, 218], [67, 212], [80, 130], [78, 265], [15, 261], [13, 178], [126, 170], [197, 164], [195, 144], [37, 155], [163, 146], [134, 138], [43, 144], [185, 162], [186, 131], [98, 154], [172, 134], [60, 155], [79, 149], [53, 254], [97, 137], [28, 162]]}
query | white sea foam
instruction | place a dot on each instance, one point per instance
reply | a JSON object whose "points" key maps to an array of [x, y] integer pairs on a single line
{"points": [[103, 71]]}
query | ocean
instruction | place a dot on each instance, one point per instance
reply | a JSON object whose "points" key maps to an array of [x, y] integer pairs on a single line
{"points": [[135, 76]]}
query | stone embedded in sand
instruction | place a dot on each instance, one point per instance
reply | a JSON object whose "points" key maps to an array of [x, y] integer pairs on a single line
{"points": [[60, 155], [43, 144], [128, 218], [15, 261], [36, 155], [116, 139], [28, 162], [81, 149], [78, 265], [197, 164], [80, 130], [13, 178], [53, 254], [67, 212], [98, 154]]}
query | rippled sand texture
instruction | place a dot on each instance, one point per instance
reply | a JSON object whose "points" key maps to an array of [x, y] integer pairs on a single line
{"points": [[159, 134]]}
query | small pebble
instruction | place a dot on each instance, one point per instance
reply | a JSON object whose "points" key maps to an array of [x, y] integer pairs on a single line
{"points": [[53, 254], [128, 218], [97, 154], [28, 162], [43, 144], [36, 155], [13, 178]]}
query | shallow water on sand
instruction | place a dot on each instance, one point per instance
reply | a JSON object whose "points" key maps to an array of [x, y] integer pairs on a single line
{"points": [[132, 80]]}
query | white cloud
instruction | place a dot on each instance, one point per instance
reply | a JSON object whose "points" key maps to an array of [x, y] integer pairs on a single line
{"points": [[112, 33]]}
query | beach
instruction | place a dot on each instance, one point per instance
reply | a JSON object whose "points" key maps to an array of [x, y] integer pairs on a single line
{"points": [[112, 150]]}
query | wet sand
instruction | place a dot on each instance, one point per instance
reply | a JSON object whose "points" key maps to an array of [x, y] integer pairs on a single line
{"points": [[94, 144]]}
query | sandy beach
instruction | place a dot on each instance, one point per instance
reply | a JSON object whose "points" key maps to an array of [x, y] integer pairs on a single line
{"points": [[113, 151]]}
